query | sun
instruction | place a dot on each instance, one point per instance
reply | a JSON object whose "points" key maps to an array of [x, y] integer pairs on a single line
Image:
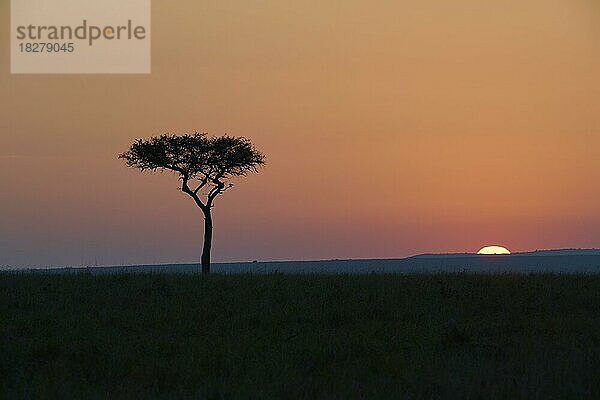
{"points": [[489, 250]]}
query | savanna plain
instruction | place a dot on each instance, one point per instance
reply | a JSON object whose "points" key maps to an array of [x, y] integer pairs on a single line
{"points": [[275, 336]]}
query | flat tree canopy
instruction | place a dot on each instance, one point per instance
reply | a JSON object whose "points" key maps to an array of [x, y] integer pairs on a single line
{"points": [[204, 165]]}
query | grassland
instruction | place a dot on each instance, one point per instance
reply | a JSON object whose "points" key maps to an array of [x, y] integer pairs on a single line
{"points": [[299, 337]]}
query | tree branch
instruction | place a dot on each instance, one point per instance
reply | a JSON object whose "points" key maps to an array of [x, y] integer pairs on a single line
{"points": [[217, 190], [203, 183], [185, 188]]}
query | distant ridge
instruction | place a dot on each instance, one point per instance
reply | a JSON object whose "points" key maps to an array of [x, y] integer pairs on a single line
{"points": [[540, 253], [569, 261], [559, 261], [562, 252], [443, 255]]}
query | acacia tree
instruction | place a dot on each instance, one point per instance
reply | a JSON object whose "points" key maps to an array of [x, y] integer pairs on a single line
{"points": [[204, 164]]}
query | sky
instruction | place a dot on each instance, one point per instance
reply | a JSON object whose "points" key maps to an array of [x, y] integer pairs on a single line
{"points": [[391, 128]]}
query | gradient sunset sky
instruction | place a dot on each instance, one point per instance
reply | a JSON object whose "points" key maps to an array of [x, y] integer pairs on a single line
{"points": [[391, 128]]}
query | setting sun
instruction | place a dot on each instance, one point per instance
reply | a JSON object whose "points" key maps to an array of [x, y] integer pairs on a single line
{"points": [[489, 250]]}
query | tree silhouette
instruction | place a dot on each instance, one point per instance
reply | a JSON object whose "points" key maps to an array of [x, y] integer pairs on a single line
{"points": [[204, 165]]}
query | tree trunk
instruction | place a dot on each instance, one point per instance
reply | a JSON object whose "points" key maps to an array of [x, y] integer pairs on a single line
{"points": [[208, 229]]}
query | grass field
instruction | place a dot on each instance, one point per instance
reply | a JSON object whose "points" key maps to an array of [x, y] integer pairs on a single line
{"points": [[286, 336]]}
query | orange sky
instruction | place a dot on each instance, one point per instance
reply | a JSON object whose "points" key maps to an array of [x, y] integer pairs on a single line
{"points": [[391, 128]]}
